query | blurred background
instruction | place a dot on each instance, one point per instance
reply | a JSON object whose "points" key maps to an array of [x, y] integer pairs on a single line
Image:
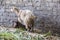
{"points": [[47, 12]]}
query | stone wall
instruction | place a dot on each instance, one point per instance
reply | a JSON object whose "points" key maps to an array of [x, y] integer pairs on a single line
{"points": [[47, 11]]}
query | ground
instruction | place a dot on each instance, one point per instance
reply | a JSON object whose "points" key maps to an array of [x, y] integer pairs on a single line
{"points": [[22, 34]]}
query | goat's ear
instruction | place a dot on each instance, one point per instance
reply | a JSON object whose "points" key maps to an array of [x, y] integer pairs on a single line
{"points": [[14, 7]]}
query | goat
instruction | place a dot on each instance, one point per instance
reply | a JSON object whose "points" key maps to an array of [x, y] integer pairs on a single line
{"points": [[26, 17]]}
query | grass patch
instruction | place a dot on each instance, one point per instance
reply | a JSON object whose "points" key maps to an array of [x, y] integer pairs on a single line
{"points": [[18, 35], [22, 34], [7, 36]]}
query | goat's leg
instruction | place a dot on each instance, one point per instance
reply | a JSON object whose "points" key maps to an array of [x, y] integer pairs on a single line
{"points": [[27, 28], [31, 29]]}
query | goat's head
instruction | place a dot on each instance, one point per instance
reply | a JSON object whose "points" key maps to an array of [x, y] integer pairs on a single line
{"points": [[14, 9]]}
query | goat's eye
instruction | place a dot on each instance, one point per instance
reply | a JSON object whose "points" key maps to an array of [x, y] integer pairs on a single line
{"points": [[11, 9]]}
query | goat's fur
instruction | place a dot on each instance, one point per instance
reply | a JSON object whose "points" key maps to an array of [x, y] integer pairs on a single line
{"points": [[26, 17]]}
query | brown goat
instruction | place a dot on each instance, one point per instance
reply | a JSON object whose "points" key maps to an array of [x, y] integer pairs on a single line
{"points": [[26, 17]]}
